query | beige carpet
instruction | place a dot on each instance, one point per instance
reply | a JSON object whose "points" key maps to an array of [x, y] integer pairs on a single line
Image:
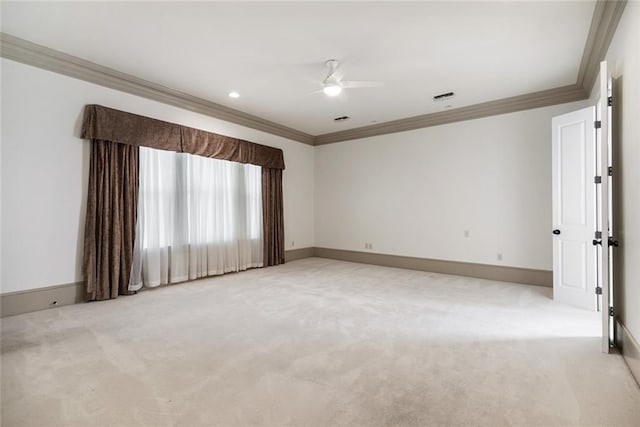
{"points": [[316, 342]]}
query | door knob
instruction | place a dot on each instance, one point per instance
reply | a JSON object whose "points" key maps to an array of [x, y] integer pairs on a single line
{"points": [[556, 231]]}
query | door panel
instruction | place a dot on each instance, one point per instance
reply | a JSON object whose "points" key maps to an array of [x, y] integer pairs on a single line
{"points": [[574, 269], [572, 166], [573, 254]]}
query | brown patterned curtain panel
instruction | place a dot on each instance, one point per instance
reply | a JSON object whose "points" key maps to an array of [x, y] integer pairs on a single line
{"points": [[111, 219], [272, 217], [113, 188]]}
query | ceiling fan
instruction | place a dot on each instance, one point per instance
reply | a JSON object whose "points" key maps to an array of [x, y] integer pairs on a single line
{"points": [[332, 85]]}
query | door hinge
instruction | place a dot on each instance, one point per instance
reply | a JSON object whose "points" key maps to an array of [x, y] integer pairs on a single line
{"points": [[610, 170], [611, 311], [597, 124], [610, 101], [597, 179], [598, 290]]}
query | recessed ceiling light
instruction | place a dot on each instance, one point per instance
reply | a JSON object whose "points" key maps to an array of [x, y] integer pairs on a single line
{"points": [[234, 94]]}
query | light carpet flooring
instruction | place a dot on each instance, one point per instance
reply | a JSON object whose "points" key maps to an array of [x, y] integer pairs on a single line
{"points": [[316, 342]]}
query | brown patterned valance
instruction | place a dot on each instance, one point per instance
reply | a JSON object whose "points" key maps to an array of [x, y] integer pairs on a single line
{"points": [[126, 128]]}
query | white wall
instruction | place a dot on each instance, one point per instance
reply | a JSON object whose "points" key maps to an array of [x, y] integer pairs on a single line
{"points": [[45, 172], [415, 193], [624, 61]]}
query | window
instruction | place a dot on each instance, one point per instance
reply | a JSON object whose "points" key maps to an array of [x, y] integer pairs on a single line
{"points": [[196, 217]]}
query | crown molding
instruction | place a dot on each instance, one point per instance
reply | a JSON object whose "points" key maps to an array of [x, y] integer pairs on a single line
{"points": [[501, 106], [29, 53], [606, 16], [604, 23]]}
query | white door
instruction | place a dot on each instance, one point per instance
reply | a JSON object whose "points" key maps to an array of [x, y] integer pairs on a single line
{"points": [[574, 208]]}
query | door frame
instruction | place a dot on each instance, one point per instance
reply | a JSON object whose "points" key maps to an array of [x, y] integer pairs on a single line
{"points": [[603, 142]]}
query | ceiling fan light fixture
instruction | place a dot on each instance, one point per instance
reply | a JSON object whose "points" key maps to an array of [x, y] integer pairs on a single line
{"points": [[332, 89]]}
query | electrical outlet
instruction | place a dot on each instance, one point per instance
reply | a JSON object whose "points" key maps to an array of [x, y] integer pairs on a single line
{"points": [[466, 233], [499, 257], [368, 246]]}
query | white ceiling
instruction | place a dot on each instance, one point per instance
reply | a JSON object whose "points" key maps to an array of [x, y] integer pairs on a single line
{"points": [[273, 53]]}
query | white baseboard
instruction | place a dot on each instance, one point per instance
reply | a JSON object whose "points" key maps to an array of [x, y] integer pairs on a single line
{"points": [[13, 303], [295, 254], [526, 276], [629, 348]]}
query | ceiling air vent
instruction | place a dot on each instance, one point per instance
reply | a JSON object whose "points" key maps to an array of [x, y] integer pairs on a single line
{"points": [[443, 96], [341, 119]]}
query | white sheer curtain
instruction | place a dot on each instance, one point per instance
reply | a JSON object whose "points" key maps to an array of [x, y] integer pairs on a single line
{"points": [[196, 217]]}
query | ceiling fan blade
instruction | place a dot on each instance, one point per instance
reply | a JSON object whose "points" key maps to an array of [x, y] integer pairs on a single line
{"points": [[352, 84]]}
